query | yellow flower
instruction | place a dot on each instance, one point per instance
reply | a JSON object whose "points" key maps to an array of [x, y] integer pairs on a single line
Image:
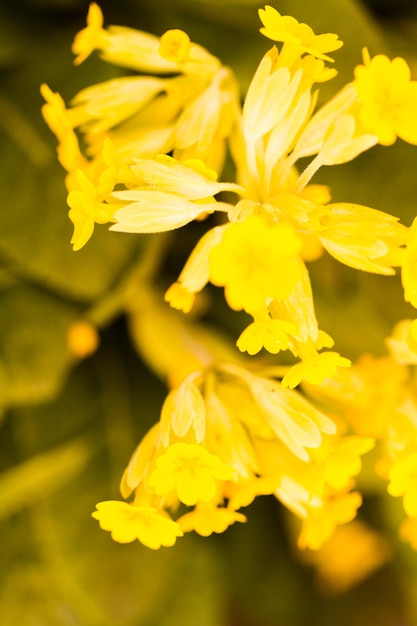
{"points": [[403, 482], [127, 522], [273, 335], [314, 369], [288, 30], [321, 522], [388, 98], [206, 519], [256, 261], [91, 37], [61, 121], [353, 553], [86, 209], [344, 460], [191, 471]]}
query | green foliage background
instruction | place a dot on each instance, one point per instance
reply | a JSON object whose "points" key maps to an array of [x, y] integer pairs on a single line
{"points": [[68, 428]]}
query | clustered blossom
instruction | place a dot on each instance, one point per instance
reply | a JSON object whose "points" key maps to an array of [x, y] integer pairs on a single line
{"points": [[232, 427]]}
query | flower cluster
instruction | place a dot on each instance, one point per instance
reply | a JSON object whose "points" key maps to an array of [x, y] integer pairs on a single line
{"points": [[231, 427]]}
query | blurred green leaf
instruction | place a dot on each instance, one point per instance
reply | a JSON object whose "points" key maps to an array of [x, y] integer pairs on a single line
{"points": [[38, 477], [34, 356]]}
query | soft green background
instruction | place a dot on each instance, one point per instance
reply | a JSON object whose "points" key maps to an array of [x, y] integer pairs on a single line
{"points": [[68, 429]]}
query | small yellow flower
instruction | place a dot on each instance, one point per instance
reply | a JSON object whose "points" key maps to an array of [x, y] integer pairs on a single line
{"points": [[273, 335], [315, 369], [86, 210], [288, 30], [344, 460], [127, 522], [206, 519], [191, 471], [89, 38], [388, 98], [256, 261], [322, 522], [179, 297]]}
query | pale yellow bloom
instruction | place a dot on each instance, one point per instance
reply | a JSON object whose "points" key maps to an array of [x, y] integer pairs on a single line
{"points": [[184, 410]]}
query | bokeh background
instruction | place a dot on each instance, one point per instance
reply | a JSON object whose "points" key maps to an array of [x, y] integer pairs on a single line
{"points": [[68, 426]]}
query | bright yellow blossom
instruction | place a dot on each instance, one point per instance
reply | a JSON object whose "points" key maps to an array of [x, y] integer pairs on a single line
{"points": [[206, 519], [191, 471], [388, 98], [314, 369], [288, 30], [322, 522], [128, 522], [255, 262], [273, 335], [91, 36]]}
